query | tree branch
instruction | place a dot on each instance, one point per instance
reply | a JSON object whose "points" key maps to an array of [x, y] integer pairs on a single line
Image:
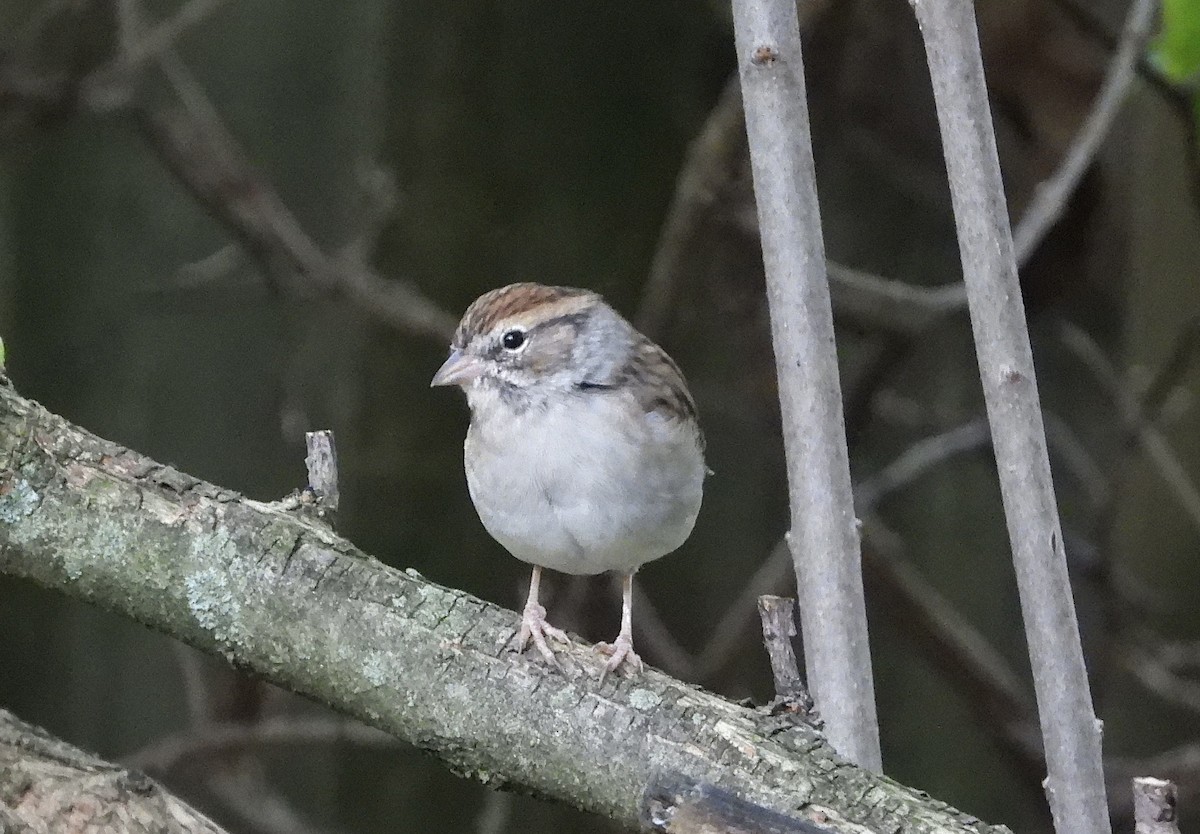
{"points": [[1052, 196], [48, 785], [169, 752], [286, 598], [1070, 731], [1154, 806], [824, 534], [1161, 456], [196, 147]]}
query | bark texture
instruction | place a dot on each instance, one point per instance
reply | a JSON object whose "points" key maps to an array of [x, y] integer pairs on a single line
{"points": [[47, 785], [286, 598]]}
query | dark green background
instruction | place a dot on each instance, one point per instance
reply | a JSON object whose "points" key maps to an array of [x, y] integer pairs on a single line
{"points": [[541, 141]]}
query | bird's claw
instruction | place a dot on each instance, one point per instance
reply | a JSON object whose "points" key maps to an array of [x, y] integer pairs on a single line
{"points": [[622, 657], [535, 629]]}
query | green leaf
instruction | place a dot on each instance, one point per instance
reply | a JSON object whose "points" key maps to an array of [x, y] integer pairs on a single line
{"points": [[1176, 51]]}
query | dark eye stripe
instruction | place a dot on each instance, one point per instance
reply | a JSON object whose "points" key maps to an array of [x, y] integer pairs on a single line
{"points": [[574, 320]]}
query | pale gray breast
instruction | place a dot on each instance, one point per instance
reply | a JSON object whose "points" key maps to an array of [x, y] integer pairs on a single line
{"points": [[588, 484]]}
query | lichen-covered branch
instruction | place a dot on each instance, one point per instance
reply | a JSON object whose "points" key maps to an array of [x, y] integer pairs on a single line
{"points": [[291, 601]]}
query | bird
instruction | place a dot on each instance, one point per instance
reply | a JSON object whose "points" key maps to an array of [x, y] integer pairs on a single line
{"points": [[584, 452]]}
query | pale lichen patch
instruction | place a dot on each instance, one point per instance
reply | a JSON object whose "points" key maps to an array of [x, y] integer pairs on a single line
{"points": [[18, 501], [644, 699], [109, 540], [209, 597], [376, 668], [214, 593], [457, 691]]}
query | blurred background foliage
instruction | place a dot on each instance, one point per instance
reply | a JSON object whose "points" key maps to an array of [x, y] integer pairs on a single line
{"points": [[454, 147]]}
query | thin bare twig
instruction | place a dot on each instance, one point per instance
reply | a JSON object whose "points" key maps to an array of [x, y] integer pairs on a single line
{"points": [[992, 688], [158, 39], [196, 146], [891, 305], [194, 686], [824, 532], [772, 576], [129, 25], [651, 628], [111, 84], [1167, 670], [245, 791], [884, 303], [1070, 732], [1162, 457], [207, 740], [1051, 197], [222, 264], [917, 460], [1088, 17], [707, 170], [1179, 764], [1179, 359], [1066, 447], [1181, 654], [378, 197]]}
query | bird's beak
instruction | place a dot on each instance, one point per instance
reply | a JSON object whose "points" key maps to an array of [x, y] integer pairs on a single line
{"points": [[458, 369]]}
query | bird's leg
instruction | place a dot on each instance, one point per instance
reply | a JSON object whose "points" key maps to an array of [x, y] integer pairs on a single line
{"points": [[534, 626], [621, 650]]}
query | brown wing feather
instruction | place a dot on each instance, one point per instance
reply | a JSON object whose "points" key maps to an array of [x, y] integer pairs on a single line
{"points": [[659, 385]]}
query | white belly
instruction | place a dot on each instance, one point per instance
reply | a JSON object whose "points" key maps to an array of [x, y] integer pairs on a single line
{"points": [[585, 490]]}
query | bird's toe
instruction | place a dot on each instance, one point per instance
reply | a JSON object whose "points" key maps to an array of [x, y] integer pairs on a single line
{"points": [[621, 657]]}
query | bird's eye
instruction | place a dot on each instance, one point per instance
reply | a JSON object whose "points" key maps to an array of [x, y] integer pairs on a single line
{"points": [[513, 339]]}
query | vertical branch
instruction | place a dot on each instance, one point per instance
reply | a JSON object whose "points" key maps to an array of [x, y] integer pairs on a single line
{"points": [[779, 627], [1070, 731], [1154, 806], [824, 534], [321, 462]]}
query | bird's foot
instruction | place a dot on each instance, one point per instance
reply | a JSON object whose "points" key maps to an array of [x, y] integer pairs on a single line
{"points": [[622, 657], [535, 629]]}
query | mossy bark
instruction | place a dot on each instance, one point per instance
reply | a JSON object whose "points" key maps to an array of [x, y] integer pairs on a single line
{"points": [[287, 599]]}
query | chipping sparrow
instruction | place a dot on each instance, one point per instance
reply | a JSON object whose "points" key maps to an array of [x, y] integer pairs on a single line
{"points": [[584, 454]]}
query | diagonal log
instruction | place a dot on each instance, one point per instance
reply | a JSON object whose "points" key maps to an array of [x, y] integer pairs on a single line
{"points": [[285, 598]]}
